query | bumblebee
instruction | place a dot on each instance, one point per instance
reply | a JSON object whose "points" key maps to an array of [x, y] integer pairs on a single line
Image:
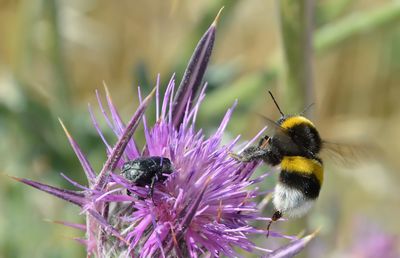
{"points": [[147, 171], [295, 145]]}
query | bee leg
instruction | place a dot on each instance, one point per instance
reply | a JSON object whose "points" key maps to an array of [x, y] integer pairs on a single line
{"points": [[263, 141], [277, 215], [235, 156], [250, 154], [151, 192]]}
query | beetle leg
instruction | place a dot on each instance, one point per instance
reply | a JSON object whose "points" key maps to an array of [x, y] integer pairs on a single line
{"points": [[152, 184]]}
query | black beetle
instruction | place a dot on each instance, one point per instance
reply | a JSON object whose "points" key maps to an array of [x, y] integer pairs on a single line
{"points": [[147, 171]]}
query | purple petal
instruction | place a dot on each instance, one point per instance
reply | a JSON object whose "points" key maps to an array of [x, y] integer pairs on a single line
{"points": [[194, 73], [188, 217], [116, 118], [167, 96], [84, 162], [120, 146], [81, 227], [292, 248], [158, 239], [198, 103], [97, 127], [119, 125], [81, 241], [253, 140], [72, 182], [225, 121], [100, 219], [158, 98], [103, 111], [74, 197]]}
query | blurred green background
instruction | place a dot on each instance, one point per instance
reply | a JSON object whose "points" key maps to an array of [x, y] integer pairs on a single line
{"points": [[54, 54]]}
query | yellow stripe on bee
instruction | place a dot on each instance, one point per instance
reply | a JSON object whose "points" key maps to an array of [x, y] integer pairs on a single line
{"points": [[296, 120], [298, 164]]}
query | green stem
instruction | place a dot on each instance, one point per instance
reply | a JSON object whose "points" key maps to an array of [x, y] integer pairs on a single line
{"points": [[296, 29], [60, 77]]}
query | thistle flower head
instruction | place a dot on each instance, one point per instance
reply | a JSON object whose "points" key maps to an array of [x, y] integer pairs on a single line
{"points": [[204, 205]]}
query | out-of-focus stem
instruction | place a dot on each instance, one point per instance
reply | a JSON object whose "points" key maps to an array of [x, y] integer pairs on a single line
{"points": [[355, 23], [296, 18], [55, 52], [325, 38]]}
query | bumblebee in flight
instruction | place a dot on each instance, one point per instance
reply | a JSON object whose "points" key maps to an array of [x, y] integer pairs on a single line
{"points": [[295, 145]]}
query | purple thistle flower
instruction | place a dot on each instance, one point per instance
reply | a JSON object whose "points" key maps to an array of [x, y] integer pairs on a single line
{"points": [[206, 206], [371, 240]]}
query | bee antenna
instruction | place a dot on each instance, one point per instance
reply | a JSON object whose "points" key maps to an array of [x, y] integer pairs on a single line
{"points": [[307, 108], [276, 104]]}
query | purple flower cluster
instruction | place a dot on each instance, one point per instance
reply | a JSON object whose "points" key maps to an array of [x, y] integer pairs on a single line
{"points": [[204, 205]]}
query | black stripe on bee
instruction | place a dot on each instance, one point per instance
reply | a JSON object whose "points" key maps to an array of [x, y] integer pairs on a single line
{"points": [[306, 136], [308, 184]]}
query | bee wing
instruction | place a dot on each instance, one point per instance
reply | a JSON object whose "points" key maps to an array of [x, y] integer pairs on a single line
{"points": [[272, 126], [346, 154], [275, 130]]}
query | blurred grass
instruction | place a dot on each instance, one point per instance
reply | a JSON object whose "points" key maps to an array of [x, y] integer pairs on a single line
{"points": [[55, 53], [296, 20]]}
